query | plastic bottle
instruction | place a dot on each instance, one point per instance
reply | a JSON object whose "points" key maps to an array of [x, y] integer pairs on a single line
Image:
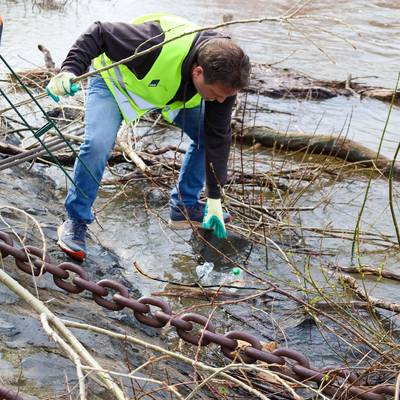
{"points": [[233, 278], [203, 272]]}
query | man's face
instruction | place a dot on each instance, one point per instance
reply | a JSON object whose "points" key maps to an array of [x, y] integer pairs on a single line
{"points": [[210, 91]]}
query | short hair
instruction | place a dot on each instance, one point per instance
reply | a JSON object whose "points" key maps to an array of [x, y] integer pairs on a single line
{"points": [[224, 61]]}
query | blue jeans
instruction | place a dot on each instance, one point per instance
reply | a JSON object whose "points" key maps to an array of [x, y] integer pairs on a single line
{"points": [[102, 122]]}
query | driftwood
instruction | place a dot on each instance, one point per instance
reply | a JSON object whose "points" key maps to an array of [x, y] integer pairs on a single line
{"points": [[287, 83], [48, 60], [10, 149], [345, 149], [381, 273], [341, 148], [379, 303], [66, 159]]}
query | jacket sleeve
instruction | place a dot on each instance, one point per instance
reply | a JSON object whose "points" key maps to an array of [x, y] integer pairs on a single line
{"points": [[118, 40], [218, 138]]}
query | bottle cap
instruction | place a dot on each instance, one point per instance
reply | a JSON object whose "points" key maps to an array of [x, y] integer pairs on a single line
{"points": [[236, 271]]}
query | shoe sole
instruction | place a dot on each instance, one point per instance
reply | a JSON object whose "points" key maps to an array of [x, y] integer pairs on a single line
{"points": [[76, 255]]}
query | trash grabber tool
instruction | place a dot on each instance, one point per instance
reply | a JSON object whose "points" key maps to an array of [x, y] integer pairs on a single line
{"points": [[47, 126]]}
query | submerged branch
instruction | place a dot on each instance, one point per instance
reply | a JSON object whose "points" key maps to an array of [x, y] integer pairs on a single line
{"points": [[365, 270], [374, 301], [343, 148]]}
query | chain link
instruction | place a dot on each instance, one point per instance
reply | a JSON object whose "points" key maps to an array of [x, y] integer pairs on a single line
{"points": [[199, 339], [178, 323], [297, 364], [34, 265], [361, 392], [222, 340], [293, 355], [90, 286], [7, 250], [111, 305], [150, 319], [70, 287], [237, 353], [7, 240], [9, 394], [343, 373], [132, 304]]}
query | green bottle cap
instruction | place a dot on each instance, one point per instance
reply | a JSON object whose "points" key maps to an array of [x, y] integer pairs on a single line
{"points": [[236, 271]]}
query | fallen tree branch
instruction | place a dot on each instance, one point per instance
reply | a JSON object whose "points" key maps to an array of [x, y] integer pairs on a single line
{"points": [[345, 149], [131, 375], [379, 303], [287, 83], [123, 145], [368, 271]]}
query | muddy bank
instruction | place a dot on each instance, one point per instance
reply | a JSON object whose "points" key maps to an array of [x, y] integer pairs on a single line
{"points": [[30, 361], [37, 367]]}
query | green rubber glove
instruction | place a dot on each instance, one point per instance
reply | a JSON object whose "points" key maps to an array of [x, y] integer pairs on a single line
{"points": [[214, 218], [60, 85]]}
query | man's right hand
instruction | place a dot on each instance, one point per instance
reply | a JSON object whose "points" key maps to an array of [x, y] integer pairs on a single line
{"points": [[214, 218], [61, 85]]}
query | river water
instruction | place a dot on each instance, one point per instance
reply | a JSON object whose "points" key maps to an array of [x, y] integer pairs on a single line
{"points": [[358, 37], [348, 37]]}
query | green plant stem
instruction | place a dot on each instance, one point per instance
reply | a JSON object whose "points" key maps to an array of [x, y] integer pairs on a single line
{"points": [[357, 227], [392, 211]]}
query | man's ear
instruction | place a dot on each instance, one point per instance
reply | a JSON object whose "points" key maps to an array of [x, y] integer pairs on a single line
{"points": [[197, 70]]}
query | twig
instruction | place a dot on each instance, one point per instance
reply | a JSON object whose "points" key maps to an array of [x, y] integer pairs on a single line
{"points": [[71, 353], [273, 378], [122, 143]]}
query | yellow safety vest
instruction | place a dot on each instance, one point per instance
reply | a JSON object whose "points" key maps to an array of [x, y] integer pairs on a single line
{"points": [[135, 97]]}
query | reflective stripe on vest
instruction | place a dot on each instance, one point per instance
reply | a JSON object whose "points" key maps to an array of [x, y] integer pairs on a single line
{"points": [[141, 103], [124, 105], [170, 115]]}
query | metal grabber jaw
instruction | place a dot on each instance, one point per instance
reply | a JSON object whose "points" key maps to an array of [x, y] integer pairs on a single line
{"points": [[49, 124]]}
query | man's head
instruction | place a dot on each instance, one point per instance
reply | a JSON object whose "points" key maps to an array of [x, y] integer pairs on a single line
{"points": [[221, 69]]}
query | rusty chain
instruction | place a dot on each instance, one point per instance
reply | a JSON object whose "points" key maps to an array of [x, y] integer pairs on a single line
{"points": [[8, 394], [336, 382]]}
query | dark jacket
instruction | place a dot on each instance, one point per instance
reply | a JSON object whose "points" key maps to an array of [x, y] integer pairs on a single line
{"points": [[120, 40]]}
